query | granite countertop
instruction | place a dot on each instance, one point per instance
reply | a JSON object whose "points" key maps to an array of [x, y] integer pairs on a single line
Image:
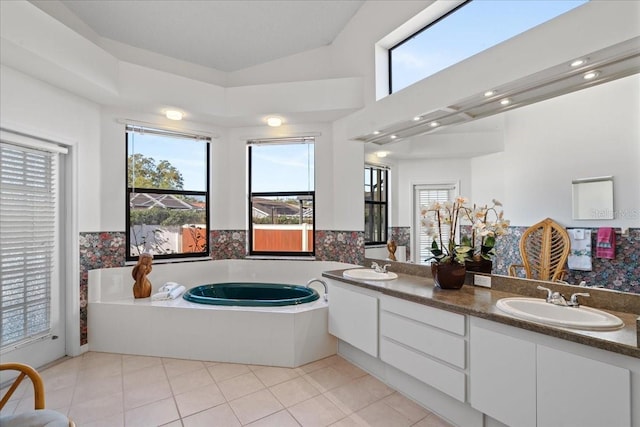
{"points": [[481, 302]]}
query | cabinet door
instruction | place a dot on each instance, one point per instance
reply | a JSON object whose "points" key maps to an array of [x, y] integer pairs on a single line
{"points": [[353, 317], [502, 376], [576, 391]]}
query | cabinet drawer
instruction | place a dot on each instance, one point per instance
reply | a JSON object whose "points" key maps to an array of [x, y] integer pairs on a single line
{"points": [[427, 339], [452, 322], [437, 375]]}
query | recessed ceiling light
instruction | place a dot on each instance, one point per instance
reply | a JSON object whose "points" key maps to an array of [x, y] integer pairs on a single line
{"points": [[578, 62], [393, 136], [173, 115], [489, 93], [591, 75], [376, 132], [505, 101], [416, 118], [381, 154], [274, 121], [434, 124]]}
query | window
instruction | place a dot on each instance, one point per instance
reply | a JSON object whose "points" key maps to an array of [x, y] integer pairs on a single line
{"points": [[471, 28], [376, 190], [167, 193], [425, 195], [30, 236], [281, 197]]}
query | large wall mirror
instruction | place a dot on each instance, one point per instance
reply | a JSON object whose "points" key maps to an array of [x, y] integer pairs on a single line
{"points": [[528, 158]]}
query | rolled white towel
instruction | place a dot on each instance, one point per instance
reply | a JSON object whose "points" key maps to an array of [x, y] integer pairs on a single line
{"points": [[168, 287], [175, 293], [160, 296]]}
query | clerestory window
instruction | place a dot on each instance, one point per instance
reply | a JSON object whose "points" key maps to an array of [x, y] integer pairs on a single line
{"points": [[470, 28]]}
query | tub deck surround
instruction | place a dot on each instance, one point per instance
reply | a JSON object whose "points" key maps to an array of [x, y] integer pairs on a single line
{"points": [[481, 302], [287, 336]]}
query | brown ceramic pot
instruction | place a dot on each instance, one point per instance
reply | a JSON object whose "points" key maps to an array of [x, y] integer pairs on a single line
{"points": [[448, 275]]}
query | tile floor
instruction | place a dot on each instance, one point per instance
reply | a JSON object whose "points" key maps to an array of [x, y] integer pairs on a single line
{"points": [[111, 390]]}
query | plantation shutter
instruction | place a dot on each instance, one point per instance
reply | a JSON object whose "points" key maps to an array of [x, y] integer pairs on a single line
{"points": [[28, 236], [424, 196]]}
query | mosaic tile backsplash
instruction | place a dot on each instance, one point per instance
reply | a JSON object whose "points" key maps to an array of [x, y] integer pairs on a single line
{"points": [[107, 250]]}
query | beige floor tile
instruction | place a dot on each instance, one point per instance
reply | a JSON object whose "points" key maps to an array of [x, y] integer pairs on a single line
{"points": [[279, 419], [224, 371], [190, 380], [433, 421], [294, 391], [146, 375], [406, 407], [145, 393], [99, 372], [220, 416], [316, 412], [345, 368], [58, 380], [134, 363], [96, 409], [326, 378], [314, 366], [353, 420], [380, 414], [272, 375], [199, 399], [239, 386], [153, 414], [92, 388], [175, 367], [358, 393], [60, 398], [254, 406], [115, 420], [176, 423]]}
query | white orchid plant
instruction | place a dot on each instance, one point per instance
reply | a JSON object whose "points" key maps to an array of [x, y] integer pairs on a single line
{"points": [[444, 218]]}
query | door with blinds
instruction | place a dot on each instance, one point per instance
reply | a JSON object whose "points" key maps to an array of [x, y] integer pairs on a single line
{"points": [[31, 295], [423, 196]]}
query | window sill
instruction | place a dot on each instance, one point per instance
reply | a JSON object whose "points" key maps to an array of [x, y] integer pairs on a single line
{"points": [[172, 261], [284, 258]]}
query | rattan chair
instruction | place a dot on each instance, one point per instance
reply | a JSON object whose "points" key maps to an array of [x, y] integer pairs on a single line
{"points": [[544, 248], [39, 416]]}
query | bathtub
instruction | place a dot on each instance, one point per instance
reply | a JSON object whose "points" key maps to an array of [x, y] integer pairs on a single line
{"points": [[250, 294], [287, 336]]}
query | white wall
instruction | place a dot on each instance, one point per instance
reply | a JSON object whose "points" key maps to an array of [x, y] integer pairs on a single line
{"points": [[589, 133], [33, 107], [415, 172]]}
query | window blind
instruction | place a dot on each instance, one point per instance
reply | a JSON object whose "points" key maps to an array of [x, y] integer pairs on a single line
{"points": [[425, 195], [28, 232]]}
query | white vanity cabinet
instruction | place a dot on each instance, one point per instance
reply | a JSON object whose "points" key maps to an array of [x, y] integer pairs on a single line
{"points": [[525, 379], [425, 342], [353, 316]]}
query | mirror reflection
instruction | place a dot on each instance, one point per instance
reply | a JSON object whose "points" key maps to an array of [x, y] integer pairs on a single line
{"points": [[528, 158]]}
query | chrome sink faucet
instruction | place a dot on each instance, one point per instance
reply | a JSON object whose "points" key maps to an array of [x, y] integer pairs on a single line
{"points": [[379, 269], [556, 298]]}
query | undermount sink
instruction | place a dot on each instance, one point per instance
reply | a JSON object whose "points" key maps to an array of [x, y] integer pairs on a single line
{"points": [[539, 310], [368, 274]]}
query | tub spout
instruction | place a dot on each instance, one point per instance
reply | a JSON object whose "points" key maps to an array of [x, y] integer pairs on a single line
{"points": [[326, 289]]}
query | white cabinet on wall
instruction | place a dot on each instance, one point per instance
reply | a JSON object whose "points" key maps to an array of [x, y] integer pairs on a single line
{"points": [[425, 342], [353, 316], [516, 378]]}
